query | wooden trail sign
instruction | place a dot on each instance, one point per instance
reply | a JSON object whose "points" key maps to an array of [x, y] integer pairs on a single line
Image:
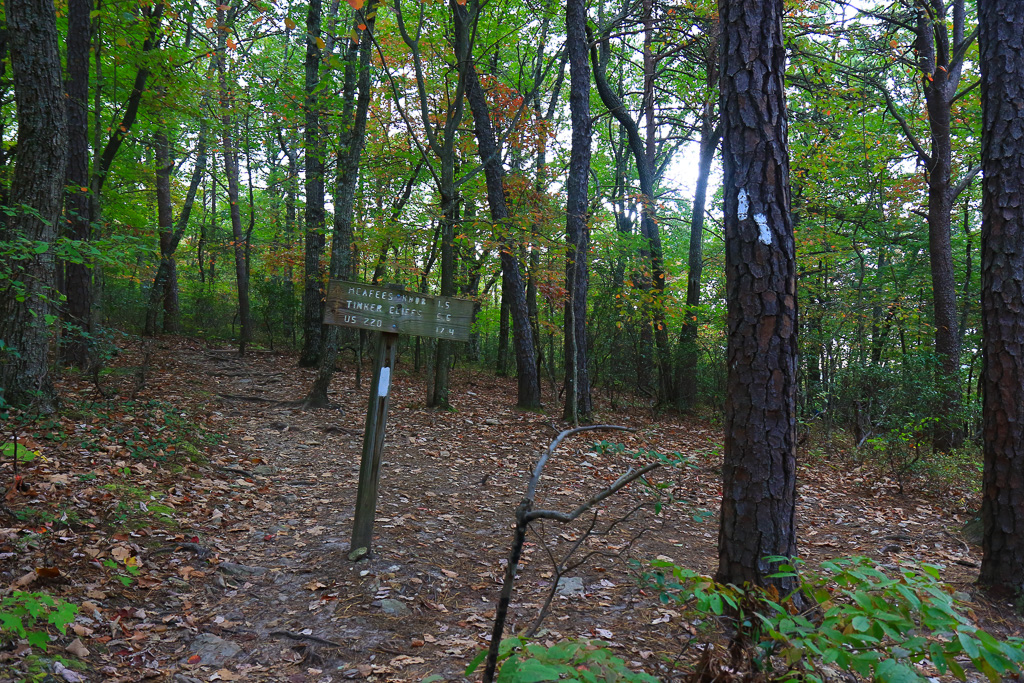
{"points": [[385, 309], [389, 311]]}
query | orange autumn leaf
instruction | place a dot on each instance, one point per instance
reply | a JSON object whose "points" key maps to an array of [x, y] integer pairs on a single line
{"points": [[362, 27], [356, 4]]}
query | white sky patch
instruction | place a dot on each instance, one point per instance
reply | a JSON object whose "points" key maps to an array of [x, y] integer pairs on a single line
{"points": [[744, 205], [762, 225]]}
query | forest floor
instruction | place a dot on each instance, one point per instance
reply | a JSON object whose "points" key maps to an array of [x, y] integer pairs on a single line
{"points": [[202, 526]]}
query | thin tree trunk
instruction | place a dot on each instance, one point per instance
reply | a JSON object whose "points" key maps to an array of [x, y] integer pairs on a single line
{"points": [[164, 282], [578, 405], [230, 155], [687, 382], [316, 240], [75, 349], [503, 330], [357, 93]]}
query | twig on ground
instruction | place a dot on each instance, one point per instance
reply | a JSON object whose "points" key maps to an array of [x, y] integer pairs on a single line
{"points": [[300, 636], [199, 550]]}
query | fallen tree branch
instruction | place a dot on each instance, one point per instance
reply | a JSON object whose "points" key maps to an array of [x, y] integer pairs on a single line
{"points": [[523, 519]]}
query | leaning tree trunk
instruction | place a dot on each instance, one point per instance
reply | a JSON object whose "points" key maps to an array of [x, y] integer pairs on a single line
{"points": [[759, 471], [1002, 297], [528, 395], [353, 133], [578, 405], [27, 296], [313, 285], [78, 276]]}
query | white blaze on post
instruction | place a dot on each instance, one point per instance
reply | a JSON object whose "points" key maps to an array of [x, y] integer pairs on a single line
{"points": [[744, 205], [385, 382], [762, 225]]}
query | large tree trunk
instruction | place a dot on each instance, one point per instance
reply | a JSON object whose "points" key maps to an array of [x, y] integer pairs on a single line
{"points": [[352, 137], [26, 299], [1002, 262], [759, 472], [78, 276], [578, 405], [528, 394], [230, 155], [316, 240]]}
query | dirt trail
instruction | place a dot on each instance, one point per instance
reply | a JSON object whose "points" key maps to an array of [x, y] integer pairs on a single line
{"points": [[264, 591]]}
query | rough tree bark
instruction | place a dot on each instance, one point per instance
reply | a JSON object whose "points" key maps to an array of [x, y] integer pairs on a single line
{"points": [[316, 240], [36, 189], [759, 472], [78, 276], [1001, 35], [578, 405]]}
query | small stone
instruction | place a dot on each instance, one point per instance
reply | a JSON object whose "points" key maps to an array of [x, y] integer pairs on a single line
{"points": [[395, 608], [492, 421], [974, 531], [233, 569], [67, 674], [213, 650], [264, 470], [571, 586]]}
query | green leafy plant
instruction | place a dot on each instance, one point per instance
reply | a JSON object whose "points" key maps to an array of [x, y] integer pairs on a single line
{"points": [[124, 572], [587, 661], [28, 615], [859, 618], [901, 450], [10, 450]]}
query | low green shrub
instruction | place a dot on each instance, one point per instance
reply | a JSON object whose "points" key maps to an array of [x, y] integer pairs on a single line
{"points": [[28, 615], [586, 661], [852, 615]]}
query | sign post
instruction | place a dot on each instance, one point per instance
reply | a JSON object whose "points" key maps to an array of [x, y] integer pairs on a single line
{"points": [[389, 311]]}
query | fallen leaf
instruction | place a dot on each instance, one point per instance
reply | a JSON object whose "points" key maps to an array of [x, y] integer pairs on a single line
{"points": [[78, 649]]}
